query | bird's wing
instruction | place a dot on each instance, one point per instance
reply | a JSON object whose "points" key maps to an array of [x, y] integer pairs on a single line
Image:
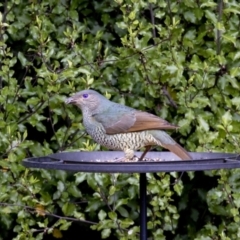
{"points": [[148, 121], [123, 120]]}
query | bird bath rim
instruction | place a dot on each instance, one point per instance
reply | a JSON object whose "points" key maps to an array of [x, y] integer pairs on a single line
{"points": [[87, 162]]}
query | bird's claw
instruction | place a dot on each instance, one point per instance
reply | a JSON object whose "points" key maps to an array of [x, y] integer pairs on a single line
{"points": [[124, 159]]}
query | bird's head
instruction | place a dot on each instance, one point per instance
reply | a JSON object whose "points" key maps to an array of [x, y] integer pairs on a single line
{"points": [[88, 100]]}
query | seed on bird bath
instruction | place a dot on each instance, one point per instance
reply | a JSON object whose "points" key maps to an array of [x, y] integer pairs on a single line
{"points": [[134, 159]]}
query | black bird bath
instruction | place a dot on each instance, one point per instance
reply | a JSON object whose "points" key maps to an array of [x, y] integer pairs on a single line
{"points": [[100, 162]]}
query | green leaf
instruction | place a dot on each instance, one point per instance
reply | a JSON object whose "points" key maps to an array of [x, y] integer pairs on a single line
{"points": [[22, 59], [203, 124], [112, 215], [237, 55], [123, 212], [102, 215], [83, 70], [236, 101], [93, 205], [112, 190], [60, 186], [132, 15], [235, 72], [211, 16], [229, 38], [68, 209], [74, 191], [121, 202], [80, 177], [209, 4], [226, 118], [172, 69], [231, 10], [105, 233], [190, 16]]}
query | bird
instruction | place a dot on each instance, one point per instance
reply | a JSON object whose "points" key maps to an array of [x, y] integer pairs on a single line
{"points": [[119, 127]]}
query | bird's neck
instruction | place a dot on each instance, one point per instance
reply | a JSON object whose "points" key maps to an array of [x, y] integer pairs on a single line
{"points": [[90, 123]]}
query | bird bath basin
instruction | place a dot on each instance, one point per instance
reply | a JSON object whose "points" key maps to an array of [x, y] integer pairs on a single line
{"points": [[101, 162]]}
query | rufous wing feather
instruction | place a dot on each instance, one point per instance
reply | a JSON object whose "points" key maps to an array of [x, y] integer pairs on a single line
{"points": [[138, 121], [148, 121]]}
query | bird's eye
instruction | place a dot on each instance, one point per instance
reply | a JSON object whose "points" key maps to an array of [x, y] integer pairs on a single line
{"points": [[85, 95]]}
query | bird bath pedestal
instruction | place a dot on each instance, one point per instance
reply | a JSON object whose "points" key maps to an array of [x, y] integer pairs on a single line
{"points": [[98, 162]]}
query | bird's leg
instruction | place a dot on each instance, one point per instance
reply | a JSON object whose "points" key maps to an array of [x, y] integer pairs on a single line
{"points": [[129, 155], [147, 148]]}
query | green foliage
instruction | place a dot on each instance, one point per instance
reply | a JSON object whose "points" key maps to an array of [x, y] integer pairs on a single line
{"points": [[176, 59]]}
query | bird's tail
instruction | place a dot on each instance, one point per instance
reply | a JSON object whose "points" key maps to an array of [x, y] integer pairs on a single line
{"points": [[168, 143], [178, 150]]}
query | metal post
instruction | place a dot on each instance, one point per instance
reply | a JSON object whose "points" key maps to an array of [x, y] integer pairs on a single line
{"points": [[143, 206]]}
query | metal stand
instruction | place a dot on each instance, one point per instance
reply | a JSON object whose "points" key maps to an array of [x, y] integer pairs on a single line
{"points": [[143, 206], [99, 162]]}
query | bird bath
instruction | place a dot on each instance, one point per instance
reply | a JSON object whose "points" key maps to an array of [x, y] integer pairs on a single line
{"points": [[98, 162]]}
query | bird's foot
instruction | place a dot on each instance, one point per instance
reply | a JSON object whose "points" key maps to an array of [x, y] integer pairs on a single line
{"points": [[124, 159]]}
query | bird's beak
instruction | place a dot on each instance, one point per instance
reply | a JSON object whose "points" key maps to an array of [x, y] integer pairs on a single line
{"points": [[70, 100]]}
